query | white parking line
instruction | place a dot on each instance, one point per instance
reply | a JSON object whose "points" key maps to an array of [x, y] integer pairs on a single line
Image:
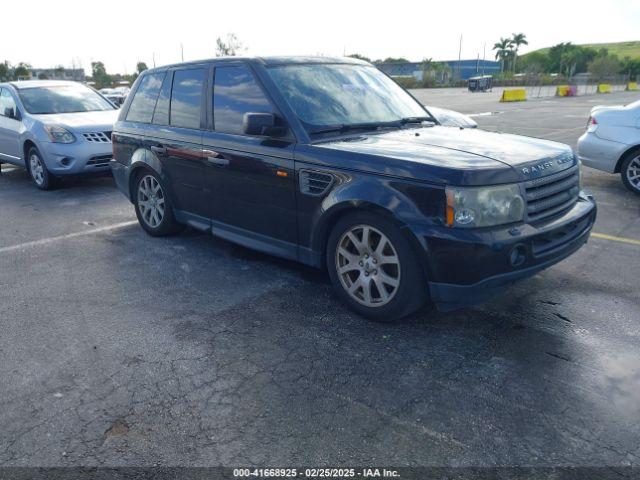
{"points": [[46, 241]]}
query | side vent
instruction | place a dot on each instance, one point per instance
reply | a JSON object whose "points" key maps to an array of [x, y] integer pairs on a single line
{"points": [[315, 183]]}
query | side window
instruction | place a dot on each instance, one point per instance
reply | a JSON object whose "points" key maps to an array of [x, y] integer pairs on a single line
{"points": [[186, 98], [235, 93], [6, 102], [161, 114], [144, 100]]}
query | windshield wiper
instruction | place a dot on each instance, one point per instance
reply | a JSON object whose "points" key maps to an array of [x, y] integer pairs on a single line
{"points": [[348, 127], [406, 120]]}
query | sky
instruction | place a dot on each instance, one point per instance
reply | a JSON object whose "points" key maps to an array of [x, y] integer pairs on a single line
{"points": [[121, 33]]}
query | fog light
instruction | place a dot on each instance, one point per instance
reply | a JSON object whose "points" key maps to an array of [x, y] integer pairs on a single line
{"points": [[517, 256], [65, 162]]}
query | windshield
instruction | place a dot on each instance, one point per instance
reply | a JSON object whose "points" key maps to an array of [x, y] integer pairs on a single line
{"points": [[62, 99], [325, 95]]}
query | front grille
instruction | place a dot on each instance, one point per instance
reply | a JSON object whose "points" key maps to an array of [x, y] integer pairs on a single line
{"points": [[548, 242], [315, 183], [552, 195], [100, 160], [99, 137]]}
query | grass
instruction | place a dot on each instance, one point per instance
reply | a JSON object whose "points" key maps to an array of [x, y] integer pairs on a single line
{"points": [[621, 49]]}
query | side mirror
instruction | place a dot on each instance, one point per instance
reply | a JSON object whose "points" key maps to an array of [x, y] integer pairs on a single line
{"points": [[262, 124], [10, 113]]}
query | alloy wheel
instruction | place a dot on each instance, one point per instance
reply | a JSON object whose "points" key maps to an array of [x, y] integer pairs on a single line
{"points": [[151, 201], [633, 172], [37, 169], [368, 266]]}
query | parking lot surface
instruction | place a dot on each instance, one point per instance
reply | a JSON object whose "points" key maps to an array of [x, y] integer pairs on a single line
{"points": [[121, 349]]}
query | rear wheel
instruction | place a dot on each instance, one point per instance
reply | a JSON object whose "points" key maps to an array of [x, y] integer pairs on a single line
{"points": [[630, 172], [153, 206], [38, 170], [373, 268]]}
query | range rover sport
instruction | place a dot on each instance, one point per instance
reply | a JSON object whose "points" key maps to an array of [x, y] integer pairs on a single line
{"points": [[329, 162]]}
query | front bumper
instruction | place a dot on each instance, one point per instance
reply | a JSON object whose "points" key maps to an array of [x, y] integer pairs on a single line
{"points": [[599, 153], [467, 267], [76, 158]]}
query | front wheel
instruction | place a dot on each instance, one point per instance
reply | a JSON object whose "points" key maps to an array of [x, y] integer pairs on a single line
{"points": [[153, 206], [38, 170], [374, 269], [630, 172]]}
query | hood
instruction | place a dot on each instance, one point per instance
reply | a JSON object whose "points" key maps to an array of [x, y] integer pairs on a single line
{"points": [[459, 156], [82, 121]]}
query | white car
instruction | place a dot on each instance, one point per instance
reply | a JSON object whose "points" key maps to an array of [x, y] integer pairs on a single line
{"points": [[612, 142], [451, 118]]}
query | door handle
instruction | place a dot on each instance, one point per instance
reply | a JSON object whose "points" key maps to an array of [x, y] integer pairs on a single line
{"points": [[215, 158], [158, 149]]}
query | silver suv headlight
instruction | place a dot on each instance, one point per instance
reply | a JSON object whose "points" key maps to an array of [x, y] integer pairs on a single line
{"points": [[58, 134], [484, 206]]}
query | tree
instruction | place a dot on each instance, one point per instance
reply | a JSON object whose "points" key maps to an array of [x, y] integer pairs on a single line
{"points": [[394, 60], [359, 57], [604, 66], [23, 70], [59, 71], [517, 39], [99, 75], [5, 71], [141, 67], [229, 47], [503, 51], [630, 66]]}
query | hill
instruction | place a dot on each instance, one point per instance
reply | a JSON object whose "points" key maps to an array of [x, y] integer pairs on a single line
{"points": [[621, 49]]}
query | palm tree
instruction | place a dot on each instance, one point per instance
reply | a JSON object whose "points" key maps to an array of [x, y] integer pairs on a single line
{"points": [[517, 39], [502, 49]]}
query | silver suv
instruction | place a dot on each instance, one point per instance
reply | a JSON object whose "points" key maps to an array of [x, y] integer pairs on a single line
{"points": [[54, 129]]}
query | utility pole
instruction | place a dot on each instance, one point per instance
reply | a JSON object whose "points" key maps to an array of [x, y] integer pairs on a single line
{"points": [[484, 52], [182, 51], [153, 56], [459, 57]]}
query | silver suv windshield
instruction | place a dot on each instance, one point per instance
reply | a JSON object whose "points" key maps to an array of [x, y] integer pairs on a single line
{"points": [[335, 96], [62, 99]]}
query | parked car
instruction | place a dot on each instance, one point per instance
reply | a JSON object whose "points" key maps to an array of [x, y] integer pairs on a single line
{"points": [[451, 118], [55, 128], [117, 96], [329, 162], [612, 142]]}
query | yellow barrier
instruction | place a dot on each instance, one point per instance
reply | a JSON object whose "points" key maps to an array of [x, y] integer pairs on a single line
{"points": [[566, 91], [514, 95], [632, 86], [604, 88]]}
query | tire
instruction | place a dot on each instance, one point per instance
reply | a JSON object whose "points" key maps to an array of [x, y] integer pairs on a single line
{"points": [[40, 175], [153, 206], [630, 171], [384, 260]]}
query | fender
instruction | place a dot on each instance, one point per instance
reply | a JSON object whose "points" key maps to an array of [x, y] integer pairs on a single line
{"points": [[146, 159], [405, 202]]}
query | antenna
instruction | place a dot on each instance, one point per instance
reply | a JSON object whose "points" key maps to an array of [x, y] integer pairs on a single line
{"points": [[182, 51]]}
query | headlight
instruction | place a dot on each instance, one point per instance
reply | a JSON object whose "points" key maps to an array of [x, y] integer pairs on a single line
{"points": [[484, 206], [57, 134]]}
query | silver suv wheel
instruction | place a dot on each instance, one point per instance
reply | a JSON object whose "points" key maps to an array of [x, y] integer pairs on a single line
{"points": [[368, 266], [151, 201], [37, 169]]}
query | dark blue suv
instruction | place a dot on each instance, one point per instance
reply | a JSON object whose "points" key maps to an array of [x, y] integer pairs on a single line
{"points": [[330, 163]]}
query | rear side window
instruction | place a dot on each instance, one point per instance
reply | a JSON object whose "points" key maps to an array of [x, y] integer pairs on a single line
{"points": [[186, 98], [235, 93], [161, 114], [144, 100]]}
